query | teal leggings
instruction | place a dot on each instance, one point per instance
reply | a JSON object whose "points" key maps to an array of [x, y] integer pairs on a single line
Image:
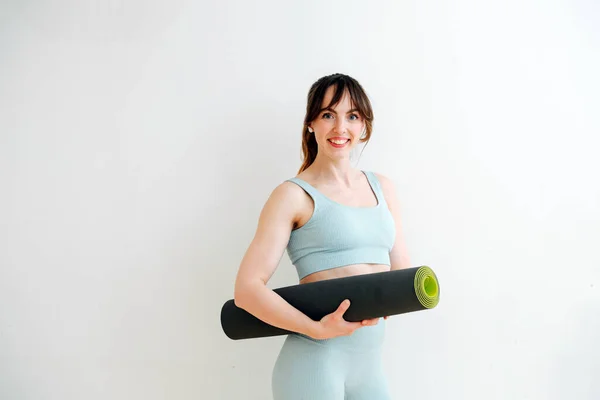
{"points": [[341, 368]]}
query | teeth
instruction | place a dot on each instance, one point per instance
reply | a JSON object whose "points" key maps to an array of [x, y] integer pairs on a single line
{"points": [[339, 141]]}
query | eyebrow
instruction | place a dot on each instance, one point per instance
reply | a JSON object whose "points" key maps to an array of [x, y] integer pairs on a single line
{"points": [[333, 111]]}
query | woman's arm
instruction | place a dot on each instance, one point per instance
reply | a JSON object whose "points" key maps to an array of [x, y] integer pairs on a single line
{"points": [[262, 257], [399, 255]]}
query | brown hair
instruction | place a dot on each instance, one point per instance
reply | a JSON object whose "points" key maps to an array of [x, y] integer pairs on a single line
{"points": [[342, 84]]}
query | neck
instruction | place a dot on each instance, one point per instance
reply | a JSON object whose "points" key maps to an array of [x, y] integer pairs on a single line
{"points": [[333, 171]]}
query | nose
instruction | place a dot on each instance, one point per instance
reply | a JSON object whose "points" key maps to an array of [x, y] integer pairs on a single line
{"points": [[339, 125]]}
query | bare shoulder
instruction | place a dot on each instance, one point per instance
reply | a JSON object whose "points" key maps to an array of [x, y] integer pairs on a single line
{"points": [[288, 189], [287, 194], [387, 184], [287, 200], [388, 188]]}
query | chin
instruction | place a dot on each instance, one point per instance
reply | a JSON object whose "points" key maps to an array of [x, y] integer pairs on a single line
{"points": [[339, 155]]}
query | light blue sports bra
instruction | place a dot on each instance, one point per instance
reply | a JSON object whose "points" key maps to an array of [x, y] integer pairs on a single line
{"points": [[338, 235]]}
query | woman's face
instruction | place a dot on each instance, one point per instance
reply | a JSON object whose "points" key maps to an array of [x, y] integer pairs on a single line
{"points": [[337, 129]]}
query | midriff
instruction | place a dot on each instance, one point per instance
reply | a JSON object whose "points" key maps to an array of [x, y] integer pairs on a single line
{"points": [[345, 271]]}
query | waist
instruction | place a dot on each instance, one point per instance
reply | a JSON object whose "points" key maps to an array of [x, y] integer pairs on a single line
{"points": [[366, 338], [345, 271], [321, 258]]}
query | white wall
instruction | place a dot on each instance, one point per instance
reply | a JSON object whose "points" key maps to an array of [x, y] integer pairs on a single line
{"points": [[139, 141]]}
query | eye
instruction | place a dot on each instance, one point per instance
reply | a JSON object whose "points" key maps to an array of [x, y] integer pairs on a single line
{"points": [[354, 117], [327, 115]]}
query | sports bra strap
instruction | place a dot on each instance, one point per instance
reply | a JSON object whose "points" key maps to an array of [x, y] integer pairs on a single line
{"points": [[376, 185], [312, 191]]}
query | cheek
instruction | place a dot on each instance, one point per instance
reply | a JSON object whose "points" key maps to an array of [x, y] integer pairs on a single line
{"points": [[323, 124], [356, 130]]}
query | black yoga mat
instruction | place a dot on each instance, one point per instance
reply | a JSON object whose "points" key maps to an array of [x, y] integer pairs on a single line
{"points": [[373, 295]]}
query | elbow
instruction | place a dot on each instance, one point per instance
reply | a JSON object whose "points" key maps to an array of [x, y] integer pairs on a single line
{"points": [[241, 294], [244, 292], [238, 300]]}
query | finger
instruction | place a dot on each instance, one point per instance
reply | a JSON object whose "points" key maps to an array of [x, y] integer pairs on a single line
{"points": [[343, 307]]}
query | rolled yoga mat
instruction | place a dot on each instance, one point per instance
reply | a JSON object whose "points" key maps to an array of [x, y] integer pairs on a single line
{"points": [[373, 295]]}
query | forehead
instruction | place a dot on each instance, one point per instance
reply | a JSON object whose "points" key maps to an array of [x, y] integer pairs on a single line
{"points": [[344, 104]]}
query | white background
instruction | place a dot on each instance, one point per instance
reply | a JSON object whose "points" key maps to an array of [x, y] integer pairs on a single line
{"points": [[140, 139]]}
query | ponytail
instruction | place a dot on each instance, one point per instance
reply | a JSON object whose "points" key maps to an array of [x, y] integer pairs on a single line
{"points": [[309, 149]]}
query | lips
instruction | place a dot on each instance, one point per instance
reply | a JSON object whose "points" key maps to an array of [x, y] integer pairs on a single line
{"points": [[338, 142]]}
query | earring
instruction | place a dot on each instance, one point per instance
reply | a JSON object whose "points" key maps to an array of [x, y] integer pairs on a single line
{"points": [[310, 129]]}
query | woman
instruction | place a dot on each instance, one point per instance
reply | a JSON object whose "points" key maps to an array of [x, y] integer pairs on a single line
{"points": [[335, 221]]}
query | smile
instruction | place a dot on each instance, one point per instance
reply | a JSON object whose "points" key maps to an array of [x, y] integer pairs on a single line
{"points": [[338, 142]]}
